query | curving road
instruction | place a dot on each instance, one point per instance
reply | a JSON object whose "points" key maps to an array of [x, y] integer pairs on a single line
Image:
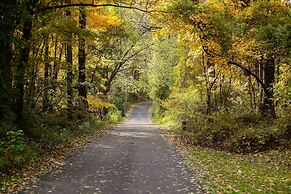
{"points": [[133, 158]]}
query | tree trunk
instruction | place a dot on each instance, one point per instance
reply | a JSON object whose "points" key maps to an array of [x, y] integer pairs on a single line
{"points": [[20, 74], [7, 27], [267, 106], [267, 103], [69, 60], [5, 77], [82, 90], [46, 76], [54, 70]]}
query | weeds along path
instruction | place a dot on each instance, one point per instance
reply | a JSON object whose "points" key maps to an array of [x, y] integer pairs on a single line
{"points": [[133, 158]]}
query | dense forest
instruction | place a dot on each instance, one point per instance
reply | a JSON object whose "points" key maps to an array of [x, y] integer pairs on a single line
{"points": [[217, 71]]}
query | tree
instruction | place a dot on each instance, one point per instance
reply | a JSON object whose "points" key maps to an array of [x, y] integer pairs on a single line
{"points": [[82, 90]]}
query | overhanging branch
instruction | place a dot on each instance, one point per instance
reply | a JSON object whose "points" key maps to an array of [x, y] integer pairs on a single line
{"points": [[252, 74], [97, 5]]}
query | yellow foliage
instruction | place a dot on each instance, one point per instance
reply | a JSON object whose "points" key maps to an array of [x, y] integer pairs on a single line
{"points": [[95, 103], [245, 48], [47, 2], [102, 19]]}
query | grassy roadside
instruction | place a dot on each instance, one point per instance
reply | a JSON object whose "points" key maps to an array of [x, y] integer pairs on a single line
{"points": [[52, 158], [225, 172]]}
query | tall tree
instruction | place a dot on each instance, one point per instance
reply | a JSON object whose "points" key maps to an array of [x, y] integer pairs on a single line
{"points": [[82, 90], [21, 66], [8, 25], [69, 61], [46, 75]]}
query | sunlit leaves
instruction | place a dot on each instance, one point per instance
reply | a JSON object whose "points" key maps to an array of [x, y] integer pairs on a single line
{"points": [[269, 22], [96, 103], [102, 19]]}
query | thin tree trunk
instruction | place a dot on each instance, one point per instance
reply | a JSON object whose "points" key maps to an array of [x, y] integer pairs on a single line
{"points": [[266, 85], [69, 60], [54, 78], [46, 75], [32, 75], [82, 90], [56, 65]]}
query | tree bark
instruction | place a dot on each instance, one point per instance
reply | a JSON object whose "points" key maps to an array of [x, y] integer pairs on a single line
{"points": [[82, 90], [20, 74], [46, 76], [267, 108], [69, 60], [7, 27]]}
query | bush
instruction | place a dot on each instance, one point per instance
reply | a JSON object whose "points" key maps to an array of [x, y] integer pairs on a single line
{"points": [[119, 104], [234, 133], [228, 131], [65, 135], [157, 112], [15, 152], [181, 108], [114, 115], [85, 127]]}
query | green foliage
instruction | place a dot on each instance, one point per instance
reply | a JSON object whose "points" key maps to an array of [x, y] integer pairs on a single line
{"points": [[269, 22], [89, 126], [85, 127], [114, 115], [14, 151], [159, 73], [184, 9], [283, 90], [123, 91], [237, 133], [158, 113], [120, 103], [184, 107]]}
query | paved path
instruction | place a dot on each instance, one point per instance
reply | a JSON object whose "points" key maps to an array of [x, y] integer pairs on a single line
{"points": [[133, 158]]}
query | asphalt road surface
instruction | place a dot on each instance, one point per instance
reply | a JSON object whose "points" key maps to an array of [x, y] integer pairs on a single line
{"points": [[133, 158]]}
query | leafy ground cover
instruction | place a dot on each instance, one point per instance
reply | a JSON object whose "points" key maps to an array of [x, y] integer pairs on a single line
{"points": [[228, 172]]}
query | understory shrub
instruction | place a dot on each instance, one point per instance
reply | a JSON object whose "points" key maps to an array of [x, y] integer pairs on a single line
{"points": [[234, 132], [114, 115], [120, 104], [14, 151], [230, 132], [44, 133], [157, 112], [185, 110]]}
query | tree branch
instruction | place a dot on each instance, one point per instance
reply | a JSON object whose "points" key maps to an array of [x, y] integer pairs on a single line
{"points": [[120, 64], [252, 74], [97, 5]]}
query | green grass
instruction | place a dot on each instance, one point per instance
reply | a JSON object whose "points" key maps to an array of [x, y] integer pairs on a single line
{"points": [[225, 172]]}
